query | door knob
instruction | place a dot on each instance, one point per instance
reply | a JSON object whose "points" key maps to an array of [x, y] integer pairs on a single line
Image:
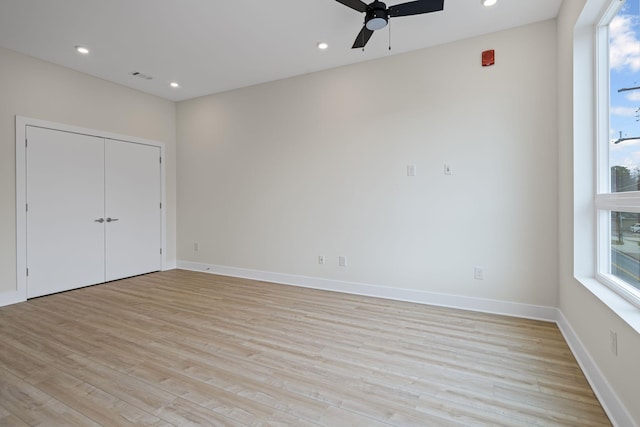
{"points": [[112, 219], [100, 220]]}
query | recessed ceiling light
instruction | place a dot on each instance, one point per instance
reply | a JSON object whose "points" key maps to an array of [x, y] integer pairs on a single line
{"points": [[322, 45], [174, 85], [83, 50], [488, 3]]}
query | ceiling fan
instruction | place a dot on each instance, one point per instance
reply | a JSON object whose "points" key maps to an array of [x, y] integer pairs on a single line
{"points": [[377, 14]]}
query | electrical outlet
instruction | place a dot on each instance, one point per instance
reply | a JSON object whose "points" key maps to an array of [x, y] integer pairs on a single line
{"points": [[342, 261], [321, 259], [613, 341], [478, 273], [196, 247]]}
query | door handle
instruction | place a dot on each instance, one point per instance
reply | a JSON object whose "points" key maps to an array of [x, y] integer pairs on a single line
{"points": [[100, 220], [112, 219]]}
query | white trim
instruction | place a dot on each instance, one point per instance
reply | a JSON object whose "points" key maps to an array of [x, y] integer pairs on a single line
{"points": [[12, 297], [21, 190], [621, 288], [613, 300], [410, 295], [21, 204], [601, 100], [607, 396], [609, 12], [627, 201], [603, 390], [605, 201]]}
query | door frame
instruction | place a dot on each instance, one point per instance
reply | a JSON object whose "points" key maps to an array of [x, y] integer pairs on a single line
{"points": [[21, 188]]}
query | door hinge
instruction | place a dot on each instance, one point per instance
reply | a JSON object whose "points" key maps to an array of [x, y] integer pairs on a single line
{"points": [[27, 207], [160, 160], [26, 142], [27, 272], [160, 251]]}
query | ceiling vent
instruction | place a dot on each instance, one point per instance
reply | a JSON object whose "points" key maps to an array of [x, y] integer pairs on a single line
{"points": [[142, 76]]}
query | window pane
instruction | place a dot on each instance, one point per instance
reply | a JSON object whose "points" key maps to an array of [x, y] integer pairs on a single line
{"points": [[624, 99], [625, 247]]}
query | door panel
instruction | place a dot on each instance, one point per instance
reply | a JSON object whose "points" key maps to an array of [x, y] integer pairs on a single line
{"points": [[65, 182], [132, 197]]}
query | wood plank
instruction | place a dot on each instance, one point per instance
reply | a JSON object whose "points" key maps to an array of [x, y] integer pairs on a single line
{"points": [[8, 419], [187, 348], [34, 407]]}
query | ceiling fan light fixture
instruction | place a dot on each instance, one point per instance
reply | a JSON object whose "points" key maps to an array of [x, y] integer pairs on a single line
{"points": [[374, 24], [377, 17], [488, 3], [322, 45], [377, 14], [174, 85], [82, 50]]}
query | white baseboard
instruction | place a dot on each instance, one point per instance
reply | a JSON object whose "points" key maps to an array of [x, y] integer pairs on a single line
{"points": [[603, 390], [605, 393], [13, 297], [607, 396], [170, 265], [410, 295]]}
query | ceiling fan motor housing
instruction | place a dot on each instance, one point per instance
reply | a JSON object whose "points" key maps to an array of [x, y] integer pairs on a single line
{"points": [[377, 16]]}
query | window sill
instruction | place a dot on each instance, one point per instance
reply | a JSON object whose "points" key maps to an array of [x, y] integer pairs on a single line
{"points": [[628, 312]]}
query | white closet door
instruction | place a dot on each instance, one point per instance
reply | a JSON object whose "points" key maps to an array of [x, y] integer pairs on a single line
{"points": [[132, 209], [65, 182]]}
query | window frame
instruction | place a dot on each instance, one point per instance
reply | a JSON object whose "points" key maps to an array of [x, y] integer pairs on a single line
{"points": [[605, 201]]}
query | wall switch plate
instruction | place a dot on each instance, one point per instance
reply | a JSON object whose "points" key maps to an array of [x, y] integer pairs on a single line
{"points": [[478, 273], [196, 247], [447, 169], [342, 261], [411, 170], [321, 259]]}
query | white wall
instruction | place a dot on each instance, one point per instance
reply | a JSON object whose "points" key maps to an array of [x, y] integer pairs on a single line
{"points": [[37, 89], [274, 175], [589, 317]]}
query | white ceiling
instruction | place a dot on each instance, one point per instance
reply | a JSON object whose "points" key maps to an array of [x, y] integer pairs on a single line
{"points": [[211, 46]]}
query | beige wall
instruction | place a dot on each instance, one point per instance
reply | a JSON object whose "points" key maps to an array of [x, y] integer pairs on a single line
{"points": [[37, 89], [274, 175], [589, 317]]}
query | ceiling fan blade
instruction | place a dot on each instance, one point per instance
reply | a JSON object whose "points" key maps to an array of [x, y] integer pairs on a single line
{"points": [[363, 37], [354, 4], [416, 7]]}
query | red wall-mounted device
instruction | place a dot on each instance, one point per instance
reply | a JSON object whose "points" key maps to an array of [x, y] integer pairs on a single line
{"points": [[488, 57]]}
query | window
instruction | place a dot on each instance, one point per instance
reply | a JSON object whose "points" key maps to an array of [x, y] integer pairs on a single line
{"points": [[618, 186]]}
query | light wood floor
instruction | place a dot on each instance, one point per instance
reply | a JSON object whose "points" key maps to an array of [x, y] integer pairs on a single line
{"points": [[183, 348]]}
